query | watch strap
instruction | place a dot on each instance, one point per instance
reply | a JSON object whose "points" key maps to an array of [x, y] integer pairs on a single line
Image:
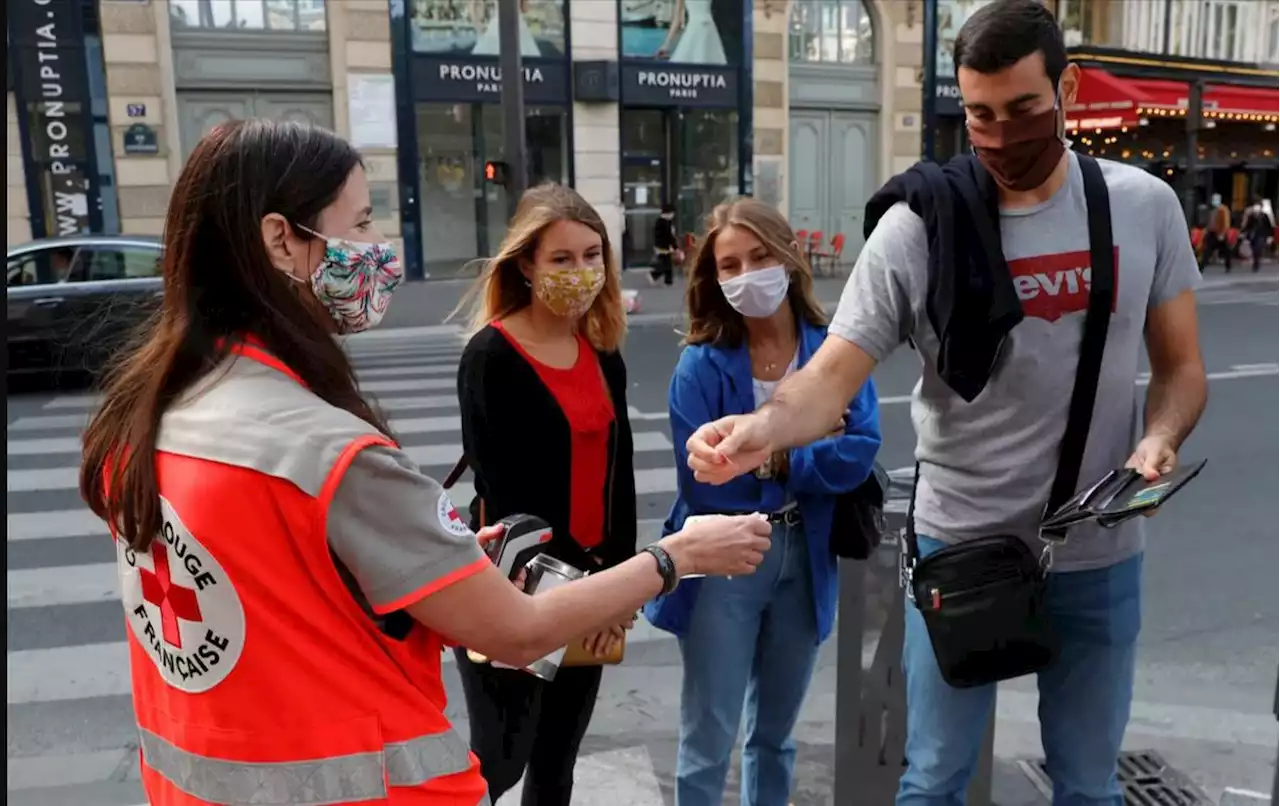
{"points": [[666, 567]]}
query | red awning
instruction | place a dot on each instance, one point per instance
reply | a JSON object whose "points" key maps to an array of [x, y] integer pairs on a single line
{"points": [[1227, 99], [1106, 101]]}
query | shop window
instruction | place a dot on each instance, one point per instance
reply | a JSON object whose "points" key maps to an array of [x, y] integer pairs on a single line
{"points": [[464, 217], [1076, 21], [684, 157], [470, 27], [1273, 35], [247, 15], [831, 31]]}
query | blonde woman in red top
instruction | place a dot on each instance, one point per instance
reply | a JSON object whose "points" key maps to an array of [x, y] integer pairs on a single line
{"points": [[542, 389]]}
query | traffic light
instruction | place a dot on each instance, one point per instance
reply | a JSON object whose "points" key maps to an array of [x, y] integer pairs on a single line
{"points": [[496, 172]]}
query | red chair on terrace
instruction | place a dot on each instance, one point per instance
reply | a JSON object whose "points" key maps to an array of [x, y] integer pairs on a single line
{"points": [[830, 258], [812, 247]]}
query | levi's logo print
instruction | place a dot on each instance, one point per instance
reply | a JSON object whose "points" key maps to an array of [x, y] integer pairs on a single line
{"points": [[1051, 286]]}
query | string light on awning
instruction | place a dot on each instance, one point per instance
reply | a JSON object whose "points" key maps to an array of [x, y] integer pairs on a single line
{"points": [[1213, 114]]}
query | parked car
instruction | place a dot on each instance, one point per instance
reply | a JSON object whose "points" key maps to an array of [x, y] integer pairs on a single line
{"points": [[74, 301]]}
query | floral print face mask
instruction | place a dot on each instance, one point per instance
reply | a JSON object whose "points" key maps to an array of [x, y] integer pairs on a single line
{"points": [[355, 280], [569, 292]]}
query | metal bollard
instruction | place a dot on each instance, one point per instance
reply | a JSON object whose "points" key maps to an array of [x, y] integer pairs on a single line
{"points": [[871, 703]]}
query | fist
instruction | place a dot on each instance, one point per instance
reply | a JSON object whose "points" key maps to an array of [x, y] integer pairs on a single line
{"points": [[727, 448]]}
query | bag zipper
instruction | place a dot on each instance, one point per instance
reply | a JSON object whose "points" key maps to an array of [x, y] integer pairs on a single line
{"points": [[936, 595]]}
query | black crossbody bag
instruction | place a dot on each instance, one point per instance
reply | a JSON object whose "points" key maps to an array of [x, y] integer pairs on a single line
{"points": [[984, 600]]}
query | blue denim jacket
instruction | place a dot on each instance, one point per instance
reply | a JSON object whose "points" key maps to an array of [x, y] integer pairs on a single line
{"points": [[712, 382]]}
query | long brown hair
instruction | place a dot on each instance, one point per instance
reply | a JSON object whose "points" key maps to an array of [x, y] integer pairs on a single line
{"points": [[501, 289], [711, 318], [219, 284]]}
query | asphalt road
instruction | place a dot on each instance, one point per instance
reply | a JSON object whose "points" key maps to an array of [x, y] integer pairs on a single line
{"points": [[1207, 666]]}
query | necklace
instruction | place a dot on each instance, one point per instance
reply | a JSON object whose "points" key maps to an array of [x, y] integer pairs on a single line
{"points": [[770, 366]]}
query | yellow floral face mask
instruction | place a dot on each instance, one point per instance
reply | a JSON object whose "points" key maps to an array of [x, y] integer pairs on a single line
{"points": [[569, 292]]}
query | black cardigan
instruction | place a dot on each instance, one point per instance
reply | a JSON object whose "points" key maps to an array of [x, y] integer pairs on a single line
{"points": [[971, 301], [516, 440]]}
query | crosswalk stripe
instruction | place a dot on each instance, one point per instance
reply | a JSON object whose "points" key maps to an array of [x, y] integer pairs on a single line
{"points": [[416, 402], [68, 584], [651, 481], [648, 482], [425, 455], [426, 425], [44, 447], [50, 422], [68, 673], [446, 455], [98, 582], [410, 385], [59, 523], [414, 369], [46, 478], [73, 402], [387, 404]]}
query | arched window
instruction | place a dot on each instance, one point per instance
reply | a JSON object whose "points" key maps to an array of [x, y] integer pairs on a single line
{"points": [[831, 31]]}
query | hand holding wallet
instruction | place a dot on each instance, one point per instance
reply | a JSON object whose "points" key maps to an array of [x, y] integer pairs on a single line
{"points": [[1120, 495]]}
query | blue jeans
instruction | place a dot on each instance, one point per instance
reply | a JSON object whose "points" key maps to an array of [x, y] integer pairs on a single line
{"points": [[749, 650], [1084, 695]]}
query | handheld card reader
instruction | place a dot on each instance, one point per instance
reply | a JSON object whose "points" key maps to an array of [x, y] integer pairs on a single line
{"points": [[522, 537], [521, 541]]}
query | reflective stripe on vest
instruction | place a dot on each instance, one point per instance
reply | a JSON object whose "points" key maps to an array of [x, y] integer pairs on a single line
{"points": [[341, 779]]}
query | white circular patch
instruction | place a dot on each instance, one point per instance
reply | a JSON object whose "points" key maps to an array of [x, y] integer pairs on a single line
{"points": [[450, 521], [182, 607]]}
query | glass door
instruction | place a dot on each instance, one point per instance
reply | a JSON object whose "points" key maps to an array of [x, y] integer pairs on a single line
{"points": [[546, 160], [645, 180], [464, 217], [707, 156], [449, 181]]}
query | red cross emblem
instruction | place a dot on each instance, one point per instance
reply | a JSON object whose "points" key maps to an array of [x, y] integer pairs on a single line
{"points": [[175, 602]]}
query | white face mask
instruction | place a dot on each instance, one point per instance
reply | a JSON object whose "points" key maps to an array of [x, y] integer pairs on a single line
{"points": [[757, 294]]}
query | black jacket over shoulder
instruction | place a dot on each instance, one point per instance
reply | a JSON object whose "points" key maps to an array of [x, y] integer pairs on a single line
{"points": [[972, 303], [517, 442]]}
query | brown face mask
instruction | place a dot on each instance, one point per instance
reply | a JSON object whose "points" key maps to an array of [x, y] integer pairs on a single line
{"points": [[1020, 153]]}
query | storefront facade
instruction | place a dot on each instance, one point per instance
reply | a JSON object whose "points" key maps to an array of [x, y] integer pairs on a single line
{"points": [[635, 103], [1138, 64], [57, 110], [449, 77], [97, 141], [686, 113]]}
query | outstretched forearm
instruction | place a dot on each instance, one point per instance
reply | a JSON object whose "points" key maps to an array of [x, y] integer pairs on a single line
{"points": [[1175, 401], [811, 402]]}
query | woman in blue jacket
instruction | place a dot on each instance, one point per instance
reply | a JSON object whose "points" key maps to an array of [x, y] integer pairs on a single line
{"points": [[749, 643]]}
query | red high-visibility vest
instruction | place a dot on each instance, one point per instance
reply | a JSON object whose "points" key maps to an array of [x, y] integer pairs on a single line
{"points": [[257, 677]]}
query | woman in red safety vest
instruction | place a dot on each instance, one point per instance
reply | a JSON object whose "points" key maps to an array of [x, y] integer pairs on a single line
{"points": [[289, 576]]}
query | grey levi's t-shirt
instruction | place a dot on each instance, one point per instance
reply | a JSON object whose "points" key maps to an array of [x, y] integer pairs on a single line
{"points": [[987, 466]]}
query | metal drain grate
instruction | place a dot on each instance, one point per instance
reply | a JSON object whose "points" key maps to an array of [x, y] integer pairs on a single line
{"points": [[1145, 778]]}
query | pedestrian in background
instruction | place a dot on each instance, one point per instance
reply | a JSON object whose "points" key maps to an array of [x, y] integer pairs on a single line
{"points": [[288, 575], [1257, 229], [990, 418], [666, 247], [542, 389], [749, 644], [1216, 235]]}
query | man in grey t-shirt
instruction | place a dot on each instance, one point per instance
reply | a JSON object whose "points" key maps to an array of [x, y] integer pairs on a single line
{"points": [[987, 465]]}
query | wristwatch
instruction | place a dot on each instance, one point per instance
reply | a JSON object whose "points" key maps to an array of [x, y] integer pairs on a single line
{"points": [[666, 567]]}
